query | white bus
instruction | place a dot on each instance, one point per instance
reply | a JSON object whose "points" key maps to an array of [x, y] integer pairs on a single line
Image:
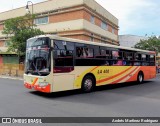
{"points": [[58, 64]]}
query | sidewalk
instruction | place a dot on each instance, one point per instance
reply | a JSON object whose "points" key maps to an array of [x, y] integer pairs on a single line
{"points": [[11, 77]]}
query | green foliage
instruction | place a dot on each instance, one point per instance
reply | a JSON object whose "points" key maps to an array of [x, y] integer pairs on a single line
{"points": [[19, 30], [152, 44]]}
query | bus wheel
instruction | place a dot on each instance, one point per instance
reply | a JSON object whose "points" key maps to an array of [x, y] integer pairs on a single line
{"points": [[140, 77], [88, 84]]}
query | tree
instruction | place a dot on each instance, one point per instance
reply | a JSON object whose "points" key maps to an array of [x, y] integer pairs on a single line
{"points": [[152, 44], [18, 30]]}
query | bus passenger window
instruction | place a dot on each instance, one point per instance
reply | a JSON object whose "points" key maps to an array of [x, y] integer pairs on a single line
{"points": [[88, 53], [108, 54], [137, 63], [120, 55], [124, 63], [128, 56], [85, 52], [137, 56], [144, 57], [152, 57], [115, 54], [79, 51], [118, 63], [106, 63]]}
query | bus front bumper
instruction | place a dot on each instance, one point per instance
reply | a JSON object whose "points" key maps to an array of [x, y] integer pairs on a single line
{"points": [[46, 89]]}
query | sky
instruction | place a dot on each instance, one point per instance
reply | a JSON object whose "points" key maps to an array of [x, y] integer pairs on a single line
{"points": [[136, 17]]}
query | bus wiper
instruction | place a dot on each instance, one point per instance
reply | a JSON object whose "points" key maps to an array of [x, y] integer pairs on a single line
{"points": [[36, 69]]}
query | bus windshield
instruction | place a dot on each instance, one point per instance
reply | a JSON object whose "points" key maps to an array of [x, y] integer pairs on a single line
{"points": [[38, 56]]}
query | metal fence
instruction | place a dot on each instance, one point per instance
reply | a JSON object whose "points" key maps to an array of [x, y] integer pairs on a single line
{"points": [[16, 70]]}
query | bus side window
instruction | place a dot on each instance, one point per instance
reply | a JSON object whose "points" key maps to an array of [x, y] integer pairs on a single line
{"points": [[115, 54], [106, 63], [90, 52], [137, 63], [144, 57], [79, 51], [137, 56], [120, 55], [152, 57], [128, 56], [108, 55], [84, 52], [147, 58], [152, 60]]}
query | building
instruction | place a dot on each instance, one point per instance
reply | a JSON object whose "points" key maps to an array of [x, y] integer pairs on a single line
{"points": [[79, 19], [130, 40]]}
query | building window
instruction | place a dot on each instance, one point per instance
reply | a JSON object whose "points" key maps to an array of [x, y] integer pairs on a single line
{"points": [[43, 20], [104, 25], [6, 43], [92, 19]]}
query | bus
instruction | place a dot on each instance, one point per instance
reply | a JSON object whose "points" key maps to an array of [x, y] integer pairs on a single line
{"points": [[54, 64]]}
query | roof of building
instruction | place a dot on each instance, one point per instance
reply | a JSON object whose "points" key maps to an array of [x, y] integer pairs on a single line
{"points": [[47, 6]]}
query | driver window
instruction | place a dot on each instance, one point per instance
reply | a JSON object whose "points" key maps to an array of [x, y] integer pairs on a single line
{"points": [[63, 53]]}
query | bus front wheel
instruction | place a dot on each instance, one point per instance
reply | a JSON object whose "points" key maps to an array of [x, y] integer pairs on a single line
{"points": [[88, 84], [140, 77]]}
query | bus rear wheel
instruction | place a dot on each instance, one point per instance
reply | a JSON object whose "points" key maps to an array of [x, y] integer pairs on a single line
{"points": [[88, 84], [140, 77]]}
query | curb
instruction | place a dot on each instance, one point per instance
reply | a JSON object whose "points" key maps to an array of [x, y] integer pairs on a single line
{"points": [[12, 78]]}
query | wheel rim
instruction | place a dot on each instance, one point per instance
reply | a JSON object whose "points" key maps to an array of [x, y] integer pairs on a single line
{"points": [[88, 84], [140, 78]]}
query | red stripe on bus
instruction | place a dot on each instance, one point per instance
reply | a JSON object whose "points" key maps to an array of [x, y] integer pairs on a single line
{"points": [[109, 78], [94, 68], [123, 77]]}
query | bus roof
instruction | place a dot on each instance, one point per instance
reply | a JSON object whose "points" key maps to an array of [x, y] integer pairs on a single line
{"points": [[94, 43]]}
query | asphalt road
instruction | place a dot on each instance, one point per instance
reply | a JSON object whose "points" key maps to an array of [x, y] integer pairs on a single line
{"points": [[123, 100]]}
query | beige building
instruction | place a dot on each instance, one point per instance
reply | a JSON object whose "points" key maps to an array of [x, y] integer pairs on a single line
{"points": [[79, 19]]}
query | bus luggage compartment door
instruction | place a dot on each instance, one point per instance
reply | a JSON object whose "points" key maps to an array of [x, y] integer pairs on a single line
{"points": [[63, 82]]}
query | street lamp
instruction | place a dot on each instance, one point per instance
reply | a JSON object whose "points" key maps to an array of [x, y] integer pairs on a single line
{"points": [[27, 6], [27, 9]]}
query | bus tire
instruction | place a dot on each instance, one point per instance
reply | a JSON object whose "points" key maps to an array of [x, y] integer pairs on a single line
{"points": [[88, 84], [140, 77]]}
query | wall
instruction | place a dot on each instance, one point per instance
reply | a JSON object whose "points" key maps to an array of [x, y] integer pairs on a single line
{"points": [[10, 59]]}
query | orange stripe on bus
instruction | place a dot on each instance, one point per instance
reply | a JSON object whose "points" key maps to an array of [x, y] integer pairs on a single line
{"points": [[35, 80], [109, 78], [123, 77]]}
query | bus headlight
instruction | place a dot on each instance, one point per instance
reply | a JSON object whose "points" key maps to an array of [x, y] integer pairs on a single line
{"points": [[43, 84]]}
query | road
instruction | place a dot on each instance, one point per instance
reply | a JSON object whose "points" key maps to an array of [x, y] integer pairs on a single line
{"points": [[127, 99]]}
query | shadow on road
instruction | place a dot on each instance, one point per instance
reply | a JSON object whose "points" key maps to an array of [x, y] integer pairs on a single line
{"points": [[57, 94], [97, 89]]}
